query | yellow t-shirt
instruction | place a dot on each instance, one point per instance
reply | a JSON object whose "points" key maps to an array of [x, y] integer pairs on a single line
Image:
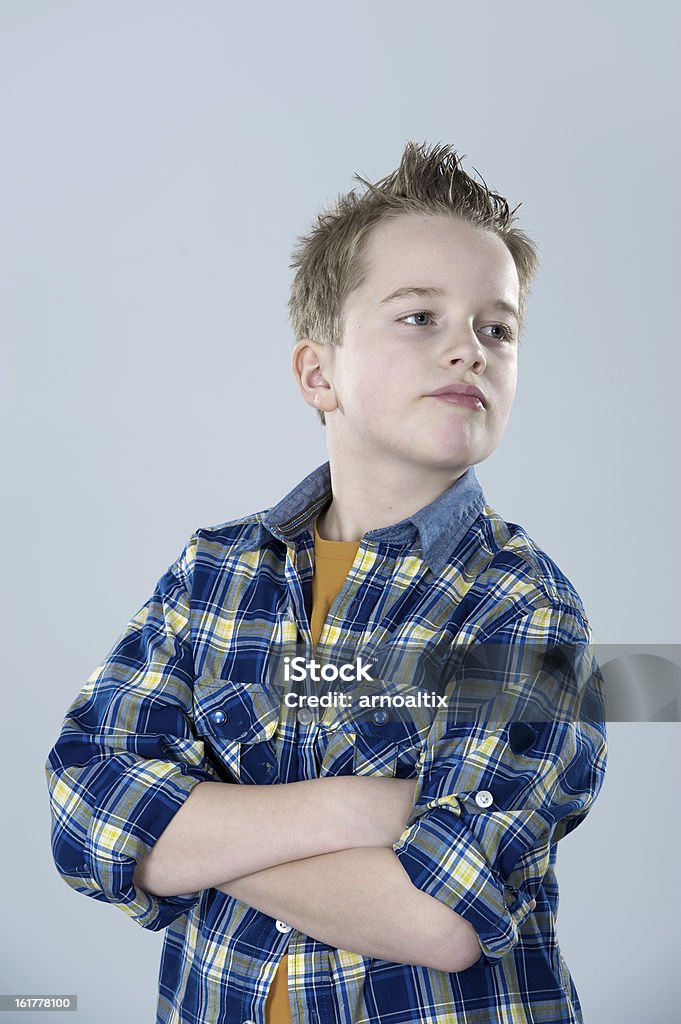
{"points": [[332, 562]]}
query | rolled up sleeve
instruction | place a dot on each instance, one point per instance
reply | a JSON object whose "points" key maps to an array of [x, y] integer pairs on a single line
{"points": [[127, 757], [495, 793]]}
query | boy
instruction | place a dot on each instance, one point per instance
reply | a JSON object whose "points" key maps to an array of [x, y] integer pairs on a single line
{"points": [[376, 857]]}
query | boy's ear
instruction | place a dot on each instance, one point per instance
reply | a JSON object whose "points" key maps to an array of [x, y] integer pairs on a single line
{"points": [[310, 364]]}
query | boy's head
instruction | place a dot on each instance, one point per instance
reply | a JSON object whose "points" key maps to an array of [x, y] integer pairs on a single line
{"points": [[369, 365]]}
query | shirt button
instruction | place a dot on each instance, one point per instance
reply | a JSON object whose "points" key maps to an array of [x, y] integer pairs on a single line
{"points": [[484, 798], [219, 717], [305, 716], [248, 1022], [381, 716], [281, 926], [290, 613]]}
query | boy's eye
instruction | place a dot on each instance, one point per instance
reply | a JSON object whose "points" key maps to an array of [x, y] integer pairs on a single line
{"points": [[422, 312], [506, 333]]}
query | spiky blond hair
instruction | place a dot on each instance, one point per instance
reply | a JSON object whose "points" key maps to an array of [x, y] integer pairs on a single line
{"points": [[329, 260]]}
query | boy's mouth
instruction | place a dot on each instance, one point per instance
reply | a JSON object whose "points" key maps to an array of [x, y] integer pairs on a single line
{"points": [[460, 394]]}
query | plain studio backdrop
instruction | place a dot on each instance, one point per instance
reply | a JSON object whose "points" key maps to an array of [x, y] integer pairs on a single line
{"points": [[158, 161]]}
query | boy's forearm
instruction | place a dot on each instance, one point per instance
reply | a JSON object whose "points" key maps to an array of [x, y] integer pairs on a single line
{"points": [[224, 831], [363, 901]]}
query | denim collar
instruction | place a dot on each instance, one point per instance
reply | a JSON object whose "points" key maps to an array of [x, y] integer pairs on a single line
{"points": [[438, 526]]}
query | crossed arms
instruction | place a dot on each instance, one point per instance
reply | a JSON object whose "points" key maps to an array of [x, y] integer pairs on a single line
{"points": [[318, 855], [138, 813]]}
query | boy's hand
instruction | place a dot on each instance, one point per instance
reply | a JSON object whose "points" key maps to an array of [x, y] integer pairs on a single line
{"points": [[402, 795], [381, 806], [372, 809], [404, 791]]}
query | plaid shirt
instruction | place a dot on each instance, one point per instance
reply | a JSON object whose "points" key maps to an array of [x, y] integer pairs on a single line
{"points": [[191, 692]]}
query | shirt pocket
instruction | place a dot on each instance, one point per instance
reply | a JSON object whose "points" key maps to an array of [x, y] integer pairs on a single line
{"points": [[390, 736], [237, 722]]}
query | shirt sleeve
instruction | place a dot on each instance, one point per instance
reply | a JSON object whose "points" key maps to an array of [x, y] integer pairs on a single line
{"points": [[127, 757], [494, 793]]}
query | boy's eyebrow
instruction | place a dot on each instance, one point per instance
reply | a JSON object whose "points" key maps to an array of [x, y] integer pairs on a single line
{"points": [[401, 293]]}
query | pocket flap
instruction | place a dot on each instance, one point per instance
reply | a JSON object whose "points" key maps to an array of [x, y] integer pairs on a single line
{"points": [[230, 710]]}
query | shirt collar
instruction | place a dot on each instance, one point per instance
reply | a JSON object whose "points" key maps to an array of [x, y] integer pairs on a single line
{"points": [[438, 526]]}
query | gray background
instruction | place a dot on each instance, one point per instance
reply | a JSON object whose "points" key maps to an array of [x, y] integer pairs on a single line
{"points": [[159, 159]]}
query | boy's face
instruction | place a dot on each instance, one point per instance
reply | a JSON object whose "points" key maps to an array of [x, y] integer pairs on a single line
{"points": [[376, 388]]}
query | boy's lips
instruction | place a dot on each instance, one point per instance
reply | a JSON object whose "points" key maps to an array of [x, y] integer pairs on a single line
{"points": [[459, 392]]}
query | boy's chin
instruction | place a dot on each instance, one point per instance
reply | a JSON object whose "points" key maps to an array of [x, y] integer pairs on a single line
{"points": [[443, 461], [459, 452], [446, 455]]}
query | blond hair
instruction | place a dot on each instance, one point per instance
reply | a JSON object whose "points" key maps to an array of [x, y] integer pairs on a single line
{"points": [[329, 260]]}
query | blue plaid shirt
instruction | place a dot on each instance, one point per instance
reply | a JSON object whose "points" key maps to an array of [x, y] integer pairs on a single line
{"points": [[188, 694]]}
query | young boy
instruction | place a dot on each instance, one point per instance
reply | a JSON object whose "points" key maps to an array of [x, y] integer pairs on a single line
{"points": [[379, 853]]}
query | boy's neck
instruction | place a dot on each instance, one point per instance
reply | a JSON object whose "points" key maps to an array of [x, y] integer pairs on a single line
{"points": [[369, 497]]}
